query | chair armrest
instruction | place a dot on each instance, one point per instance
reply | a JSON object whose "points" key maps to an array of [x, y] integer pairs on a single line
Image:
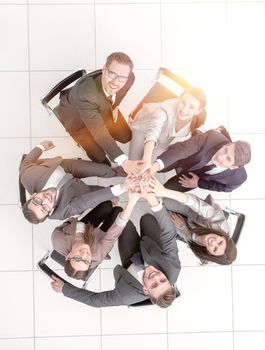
{"points": [[62, 85], [238, 229]]}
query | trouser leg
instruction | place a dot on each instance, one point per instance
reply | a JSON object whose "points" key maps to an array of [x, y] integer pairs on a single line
{"points": [[98, 214], [109, 220], [80, 168], [128, 243], [149, 227]]}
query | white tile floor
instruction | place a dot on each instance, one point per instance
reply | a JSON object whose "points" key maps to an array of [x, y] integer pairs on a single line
{"points": [[217, 45]]}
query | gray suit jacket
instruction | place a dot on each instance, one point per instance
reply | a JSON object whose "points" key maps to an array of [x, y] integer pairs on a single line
{"points": [[129, 290], [86, 104], [74, 196], [195, 153]]}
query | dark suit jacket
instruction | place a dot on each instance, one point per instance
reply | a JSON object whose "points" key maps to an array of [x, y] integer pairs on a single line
{"points": [[195, 153], [86, 105], [128, 290], [74, 196]]}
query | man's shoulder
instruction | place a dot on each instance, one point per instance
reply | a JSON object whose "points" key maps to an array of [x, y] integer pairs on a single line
{"points": [[212, 137]]}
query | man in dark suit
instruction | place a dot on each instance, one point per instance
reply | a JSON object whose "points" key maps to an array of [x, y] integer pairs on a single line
{"points": [[55, 186], [150, 264], [209, 160], [89, 111]]}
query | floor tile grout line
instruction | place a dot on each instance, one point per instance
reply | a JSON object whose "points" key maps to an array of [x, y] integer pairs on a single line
{"points": [[30, 133], [138, 334], [111, 268], [233, 320]]}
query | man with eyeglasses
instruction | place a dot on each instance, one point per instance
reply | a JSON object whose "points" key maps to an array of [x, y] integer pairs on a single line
{"points": [[56, 189], [90, 112], [150, 264]]}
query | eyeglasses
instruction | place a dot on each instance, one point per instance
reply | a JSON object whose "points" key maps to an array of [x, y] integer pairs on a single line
{"points": [[37, 201], [113, 76], [78, 258]]}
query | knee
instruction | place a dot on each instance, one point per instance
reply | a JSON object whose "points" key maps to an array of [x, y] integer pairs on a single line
{"points": [[146, 217]]}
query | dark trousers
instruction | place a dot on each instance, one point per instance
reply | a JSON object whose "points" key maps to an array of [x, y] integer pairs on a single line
{"points": [[103, 213], [129, 241]]}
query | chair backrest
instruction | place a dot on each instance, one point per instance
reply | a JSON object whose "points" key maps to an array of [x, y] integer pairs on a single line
{"points": [[60, 86], [161, 91], [21, 188], [48, 271], [238, 226], [223, 131], [60, 259]]}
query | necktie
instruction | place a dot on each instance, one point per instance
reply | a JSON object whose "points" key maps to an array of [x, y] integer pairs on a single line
{"points": [[206, 168]]}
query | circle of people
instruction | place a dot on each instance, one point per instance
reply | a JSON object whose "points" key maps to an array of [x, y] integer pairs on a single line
{"points": [[150, 264]]}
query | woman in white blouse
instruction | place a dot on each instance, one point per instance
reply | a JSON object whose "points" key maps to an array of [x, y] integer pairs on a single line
{"points": [[157, 125]]}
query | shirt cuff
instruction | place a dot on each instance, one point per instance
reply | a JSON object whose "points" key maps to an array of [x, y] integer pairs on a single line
{"points": [[120, 222], [116, 190], [80, 227], [157, 207], [41, 147], [161, 164], [120, 159]]}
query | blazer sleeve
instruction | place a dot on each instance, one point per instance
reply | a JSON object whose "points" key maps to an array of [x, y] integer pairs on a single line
{"points": [[109, 238], [234, 180], [80, 203], [168, 233], [58, 236], [101, 299], [158, 119], [30, 159], [182, 150]]}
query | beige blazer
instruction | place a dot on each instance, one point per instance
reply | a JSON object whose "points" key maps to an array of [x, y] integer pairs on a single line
{"points": [[63, 238]]}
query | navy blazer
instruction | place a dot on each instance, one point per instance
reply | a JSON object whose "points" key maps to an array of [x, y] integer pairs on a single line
{"points": [[195, 153]]}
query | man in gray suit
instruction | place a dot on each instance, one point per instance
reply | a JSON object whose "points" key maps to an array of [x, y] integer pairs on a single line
{"points": [[150, 264], [90, 112], [55, 186]]}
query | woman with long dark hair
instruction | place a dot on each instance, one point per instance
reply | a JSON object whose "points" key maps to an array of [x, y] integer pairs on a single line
{"points": [[200, 223]]}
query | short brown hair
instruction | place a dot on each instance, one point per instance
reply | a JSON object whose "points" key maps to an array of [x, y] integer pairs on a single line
{"points": [[242, 153], [197, 93], [120, 57], [165, 299], [202, 253], [30, 215]]}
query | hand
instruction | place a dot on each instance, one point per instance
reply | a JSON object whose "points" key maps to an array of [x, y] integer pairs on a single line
{"points": [[132, 167], [146, 194], [115, 114], [131, 183], [192, 182], [47, 144], [177, 220], [156, 187], [148, 172], [133, 196], [57, 285]]}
